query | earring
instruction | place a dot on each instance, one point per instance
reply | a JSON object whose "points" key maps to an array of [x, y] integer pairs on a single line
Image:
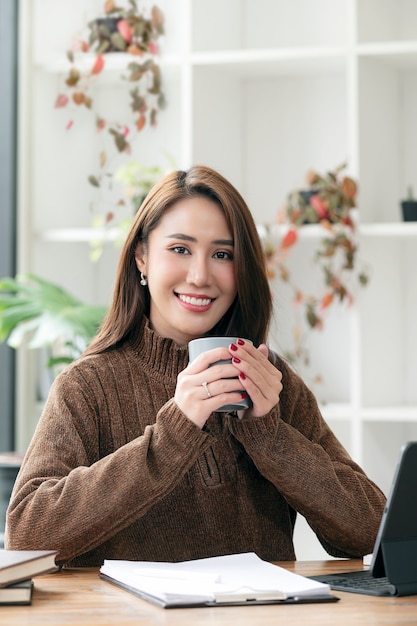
{"points": [[143, 280]]}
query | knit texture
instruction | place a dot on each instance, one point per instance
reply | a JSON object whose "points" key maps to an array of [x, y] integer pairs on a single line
{"points": [[115, 470]]}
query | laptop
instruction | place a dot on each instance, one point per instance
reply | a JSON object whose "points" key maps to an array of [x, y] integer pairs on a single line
{"points": [[393, 568]]}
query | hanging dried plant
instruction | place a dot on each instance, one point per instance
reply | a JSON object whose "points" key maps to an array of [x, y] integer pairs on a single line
{"points": [[124, 30], [328, 201]]}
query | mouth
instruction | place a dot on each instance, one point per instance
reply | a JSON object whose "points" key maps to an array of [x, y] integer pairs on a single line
{"points": [[198, 301]]}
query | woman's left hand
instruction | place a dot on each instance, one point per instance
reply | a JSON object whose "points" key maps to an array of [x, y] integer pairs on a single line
{"points": [[259, 377]]}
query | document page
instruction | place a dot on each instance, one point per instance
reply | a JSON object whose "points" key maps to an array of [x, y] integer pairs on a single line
{"points": [[227, 578]]}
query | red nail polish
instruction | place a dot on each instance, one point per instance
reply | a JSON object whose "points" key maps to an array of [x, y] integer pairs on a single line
{"points": [[240, 342], [242, 376], [236, 359], [233, 346]]}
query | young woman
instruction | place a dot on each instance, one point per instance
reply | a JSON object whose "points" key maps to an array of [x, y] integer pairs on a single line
{"points": [[130, 459]]}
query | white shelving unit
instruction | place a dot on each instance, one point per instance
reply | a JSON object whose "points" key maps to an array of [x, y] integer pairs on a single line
{"points": [[262, 90]]}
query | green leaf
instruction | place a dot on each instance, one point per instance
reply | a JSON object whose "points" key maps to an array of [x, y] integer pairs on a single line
{"points": [[118, 41], [41, 313], [93, 180]]}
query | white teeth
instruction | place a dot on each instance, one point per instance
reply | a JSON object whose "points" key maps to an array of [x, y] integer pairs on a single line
{"points": [[195, 301]]}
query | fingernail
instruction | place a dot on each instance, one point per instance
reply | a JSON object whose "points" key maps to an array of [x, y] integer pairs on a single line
{"points": [[233, 346], [236, 359], [240, 342], [242, 376]]}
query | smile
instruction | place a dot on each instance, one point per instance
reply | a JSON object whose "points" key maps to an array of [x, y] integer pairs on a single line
{"points": [[195, 301]]}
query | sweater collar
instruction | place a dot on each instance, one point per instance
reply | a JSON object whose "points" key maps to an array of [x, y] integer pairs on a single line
{"points": [[159, 354]]}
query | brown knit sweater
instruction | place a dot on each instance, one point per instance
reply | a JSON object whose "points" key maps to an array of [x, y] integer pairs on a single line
{"points": [[115, 470]]}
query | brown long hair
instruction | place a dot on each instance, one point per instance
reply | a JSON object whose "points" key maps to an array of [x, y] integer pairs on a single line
{"points": [[250, 314]]}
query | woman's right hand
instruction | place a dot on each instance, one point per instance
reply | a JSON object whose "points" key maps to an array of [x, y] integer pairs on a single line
{"points": [[222, 383]]}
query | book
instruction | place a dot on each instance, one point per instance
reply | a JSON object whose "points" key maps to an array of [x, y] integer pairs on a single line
{"points": [[19, 593], [241, 579], [17, 565]]}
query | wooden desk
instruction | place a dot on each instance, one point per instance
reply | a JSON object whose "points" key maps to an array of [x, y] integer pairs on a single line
{"points": [[79, 597]]}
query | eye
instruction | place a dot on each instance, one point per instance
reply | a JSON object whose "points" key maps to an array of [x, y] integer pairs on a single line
{"points": [[224, 255], [180, 250]]}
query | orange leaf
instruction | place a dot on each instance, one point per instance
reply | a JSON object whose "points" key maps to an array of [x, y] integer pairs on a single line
{"points": [[61, 101], [98, 65], [290, 238], [141, 122], [109, 6], [326, 301], [78, 97]]}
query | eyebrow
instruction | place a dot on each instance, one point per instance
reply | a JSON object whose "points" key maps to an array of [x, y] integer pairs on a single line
{"points": [[221, 242]]}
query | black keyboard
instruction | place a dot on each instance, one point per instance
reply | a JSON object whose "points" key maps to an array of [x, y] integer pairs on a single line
{"points": [[358, 582]]}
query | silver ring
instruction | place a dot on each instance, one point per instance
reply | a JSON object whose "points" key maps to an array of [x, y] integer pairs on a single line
{"points": [[205, 385]]}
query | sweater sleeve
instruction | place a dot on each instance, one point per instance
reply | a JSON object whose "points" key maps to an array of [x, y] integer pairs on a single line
{"points": [[294, 448], [70, 497]]}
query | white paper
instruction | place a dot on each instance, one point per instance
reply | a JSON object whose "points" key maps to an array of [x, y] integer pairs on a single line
{"points": [[237, 575]]}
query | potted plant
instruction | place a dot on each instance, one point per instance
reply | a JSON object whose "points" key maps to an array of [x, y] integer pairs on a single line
{"points": [[409, 206], [131, 31], [43, 315], [327, 200]]}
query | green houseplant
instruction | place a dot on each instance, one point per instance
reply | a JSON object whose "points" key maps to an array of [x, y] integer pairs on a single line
{"points": [[41, 314], [34, 311]]}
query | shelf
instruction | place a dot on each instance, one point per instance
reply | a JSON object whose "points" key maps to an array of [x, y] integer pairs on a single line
{"points": [[258, 63], [398, 230], [389, 414], [114, 62], [79, 235], [389, 229], [398, 54]]}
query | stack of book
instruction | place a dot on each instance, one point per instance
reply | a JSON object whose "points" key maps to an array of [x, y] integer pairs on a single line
{"points": [[17, 568]]}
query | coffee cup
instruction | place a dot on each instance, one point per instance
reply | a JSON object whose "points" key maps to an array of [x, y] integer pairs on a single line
{"points": [[203, 344]]}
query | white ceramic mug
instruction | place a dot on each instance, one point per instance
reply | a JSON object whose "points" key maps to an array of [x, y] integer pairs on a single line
{"points": [[203, 344]]}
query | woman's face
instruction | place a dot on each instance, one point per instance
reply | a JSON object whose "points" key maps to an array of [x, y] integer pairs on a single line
{"points": [[190, 269]]}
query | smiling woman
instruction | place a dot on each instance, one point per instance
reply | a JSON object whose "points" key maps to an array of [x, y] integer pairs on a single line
{"points": [[189, 265], [133, 441]]}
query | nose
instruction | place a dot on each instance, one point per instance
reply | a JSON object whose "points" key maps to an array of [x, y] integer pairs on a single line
{"points": [[198, 271]]}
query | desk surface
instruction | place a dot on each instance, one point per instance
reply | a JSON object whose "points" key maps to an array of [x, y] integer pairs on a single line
{"points": [[80, 597]]}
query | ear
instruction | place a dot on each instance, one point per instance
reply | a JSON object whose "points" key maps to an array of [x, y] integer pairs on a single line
{"points": [[140, 258]]}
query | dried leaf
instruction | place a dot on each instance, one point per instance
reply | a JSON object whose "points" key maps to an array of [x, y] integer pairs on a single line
{"points": [[93, 180], [98, 65], [157, 18], [119, 140], [103, 158], [78, 97], [109, 6], [124, 31], [61, 101], [153, 118], [118, 41], [73, 77], [326, 301], [70, 56], [141, 122], [290, 238]]}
